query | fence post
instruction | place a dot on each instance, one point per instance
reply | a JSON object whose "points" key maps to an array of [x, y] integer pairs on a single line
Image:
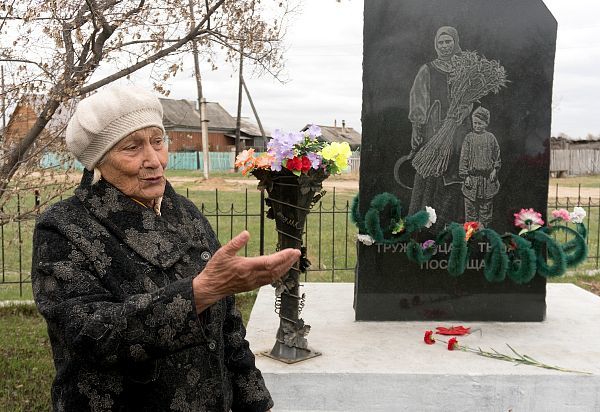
{"points": [[20, 245], [2, 234], [262, 222]]}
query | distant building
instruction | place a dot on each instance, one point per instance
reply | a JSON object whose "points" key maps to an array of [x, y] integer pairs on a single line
{"points": [[182, 123], [560, 143], [181, 120], [574, 157], [25, 115], [339, 134]]}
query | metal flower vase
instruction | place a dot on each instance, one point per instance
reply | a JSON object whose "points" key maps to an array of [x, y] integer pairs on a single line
{"points": [[290, 199]]}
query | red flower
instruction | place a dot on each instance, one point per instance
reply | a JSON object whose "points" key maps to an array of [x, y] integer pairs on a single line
{"points": [[512, 245], [305, 164], [452, 343], [428, 338], [453, 330], [470, 228], [294, 164]]}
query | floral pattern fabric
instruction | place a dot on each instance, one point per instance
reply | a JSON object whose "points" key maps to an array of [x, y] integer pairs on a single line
{"points": [[114, 282]]}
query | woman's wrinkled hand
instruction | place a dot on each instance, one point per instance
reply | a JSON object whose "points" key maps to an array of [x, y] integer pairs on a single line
{"points": [[226, 273]]}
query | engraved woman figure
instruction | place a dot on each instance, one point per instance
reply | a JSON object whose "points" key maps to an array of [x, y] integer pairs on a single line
{"points": [[429, 103]]}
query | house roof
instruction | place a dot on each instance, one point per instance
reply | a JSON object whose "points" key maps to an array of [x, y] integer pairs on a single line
{"points": [[183, 113], [248, 128], [37, 101], [339, 134]]}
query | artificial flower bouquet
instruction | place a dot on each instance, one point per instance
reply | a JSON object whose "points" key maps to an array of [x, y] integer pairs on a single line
{"points": [[297, 153], [292, 171]]}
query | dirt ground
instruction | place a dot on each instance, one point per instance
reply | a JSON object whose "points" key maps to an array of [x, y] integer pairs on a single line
{"points": [[342, 183], [573, 192]]}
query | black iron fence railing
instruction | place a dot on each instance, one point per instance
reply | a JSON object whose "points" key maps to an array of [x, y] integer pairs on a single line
{"points": [[329, 235]]}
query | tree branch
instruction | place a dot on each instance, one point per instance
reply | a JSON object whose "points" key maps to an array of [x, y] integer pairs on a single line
{"points": [[151, 59], [69, 51], [49, 74]]}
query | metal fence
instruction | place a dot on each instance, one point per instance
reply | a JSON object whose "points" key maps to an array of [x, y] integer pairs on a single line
{"points": [[329, 234]]}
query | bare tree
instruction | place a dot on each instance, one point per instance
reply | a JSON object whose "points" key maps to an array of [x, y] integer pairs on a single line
{"points": [[66, 49]]}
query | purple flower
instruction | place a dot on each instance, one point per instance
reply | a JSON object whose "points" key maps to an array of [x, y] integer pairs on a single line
{"points": [[276, 166], [315, 160], [277, 134], [428, 244], [281, 146], [314, 130]]}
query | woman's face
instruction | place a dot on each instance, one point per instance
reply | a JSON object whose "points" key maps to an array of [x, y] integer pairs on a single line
{"points": [[136, 165], [445, 45]]}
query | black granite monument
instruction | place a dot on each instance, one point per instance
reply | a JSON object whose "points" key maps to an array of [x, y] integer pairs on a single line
{"points": [[482, 161]]}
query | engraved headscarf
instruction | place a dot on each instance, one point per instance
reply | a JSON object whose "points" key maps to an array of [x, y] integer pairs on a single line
{"points": [[450, 31]]}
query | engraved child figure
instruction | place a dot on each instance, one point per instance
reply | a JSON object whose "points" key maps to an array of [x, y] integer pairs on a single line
{"points": [[478, 167]]}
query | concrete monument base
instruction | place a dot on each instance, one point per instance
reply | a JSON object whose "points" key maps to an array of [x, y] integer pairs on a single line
{"points": [[386, 366]]}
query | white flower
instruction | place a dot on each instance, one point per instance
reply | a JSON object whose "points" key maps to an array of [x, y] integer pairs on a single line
{"points": [[365, 239], [578, 214], [432, 216]]}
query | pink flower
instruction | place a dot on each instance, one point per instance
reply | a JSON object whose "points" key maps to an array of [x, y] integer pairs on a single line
{"points": [[527, 218], [562, 214]]}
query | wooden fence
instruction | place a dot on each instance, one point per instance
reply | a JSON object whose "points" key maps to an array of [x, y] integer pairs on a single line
{"points": [[575, 162]]}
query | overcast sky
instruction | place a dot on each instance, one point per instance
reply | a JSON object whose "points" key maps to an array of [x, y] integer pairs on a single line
{"points": [[324, 69]]}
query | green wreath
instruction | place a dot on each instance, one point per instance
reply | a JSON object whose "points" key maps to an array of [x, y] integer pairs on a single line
{"points": [[518, 257]]}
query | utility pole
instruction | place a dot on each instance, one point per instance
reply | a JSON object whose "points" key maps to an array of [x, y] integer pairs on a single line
{"points": [[3, 100], [262, 131], [201, 99], [239, 108]]}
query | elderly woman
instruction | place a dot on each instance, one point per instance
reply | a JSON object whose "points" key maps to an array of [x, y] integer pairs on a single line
{"points": [[429, 103], [129, 275]]}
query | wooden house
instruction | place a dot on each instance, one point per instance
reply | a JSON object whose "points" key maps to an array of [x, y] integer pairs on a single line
{"points": [[341, 134], [25, 115], [182, 123]]}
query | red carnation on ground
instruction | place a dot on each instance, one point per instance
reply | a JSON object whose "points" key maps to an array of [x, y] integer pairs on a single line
{"points": [[428, 338], [453, 330], [452, 343]]}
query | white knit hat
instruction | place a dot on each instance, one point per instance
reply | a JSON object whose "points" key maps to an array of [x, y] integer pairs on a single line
{"points": [[106, 117]]}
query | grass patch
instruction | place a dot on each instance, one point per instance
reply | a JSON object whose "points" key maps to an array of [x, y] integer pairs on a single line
{"points": [[244, 302], [26, 367], [575, 181]]}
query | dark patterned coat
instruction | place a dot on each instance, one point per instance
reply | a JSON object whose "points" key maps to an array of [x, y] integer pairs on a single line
{"points": [[114, 282]]}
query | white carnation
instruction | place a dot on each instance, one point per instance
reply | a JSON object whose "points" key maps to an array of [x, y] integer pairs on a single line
{"points": [[432, 216], [365, 239], [578, 214]]}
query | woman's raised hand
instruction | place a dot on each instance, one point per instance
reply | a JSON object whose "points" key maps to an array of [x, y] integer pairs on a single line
{"points": [[226, 273]]}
